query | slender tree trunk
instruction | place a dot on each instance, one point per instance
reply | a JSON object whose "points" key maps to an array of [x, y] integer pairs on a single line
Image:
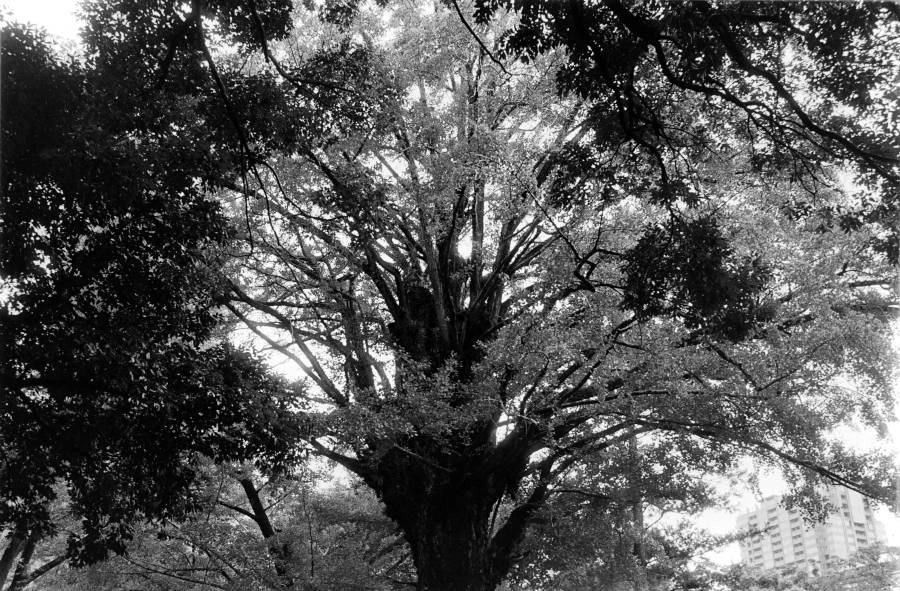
{"points": [[637, 519], [20, 579], [44, 569], [9, 557], [280, 553]]}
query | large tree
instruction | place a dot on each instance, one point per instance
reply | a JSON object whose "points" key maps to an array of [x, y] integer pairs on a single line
{"points": [[112, 382], [659, 243], [491, 283]]}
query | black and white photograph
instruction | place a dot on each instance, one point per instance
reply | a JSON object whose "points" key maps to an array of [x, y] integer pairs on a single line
{"points": [[449, 295]]}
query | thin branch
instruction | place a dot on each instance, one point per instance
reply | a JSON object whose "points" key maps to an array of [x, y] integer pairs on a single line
{"points": [[297, 82], [171, 575], [480, 42], [239, 510], [584, 493], [737, 364], [316, 372]]}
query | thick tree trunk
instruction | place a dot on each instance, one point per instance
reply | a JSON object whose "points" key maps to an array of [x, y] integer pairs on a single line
{"points": [[446, 518], [443, 501], [451, 549]]}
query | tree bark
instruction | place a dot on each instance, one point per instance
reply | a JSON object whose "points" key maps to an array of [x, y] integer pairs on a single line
{"points": [[445, 512], [451, 549]]}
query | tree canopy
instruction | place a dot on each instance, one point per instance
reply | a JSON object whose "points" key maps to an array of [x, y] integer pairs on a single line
{"points": [[517, 251], [110, 382]]}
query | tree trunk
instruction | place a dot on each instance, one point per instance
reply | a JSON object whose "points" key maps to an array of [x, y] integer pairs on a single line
{"points": [[443, 501], [451, 548], [44, 569], [445, 517], [20, 579], [280, 552], [9, 557]]}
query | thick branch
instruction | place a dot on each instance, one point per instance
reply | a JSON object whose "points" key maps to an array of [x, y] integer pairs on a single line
{"points": [[351, 464]]}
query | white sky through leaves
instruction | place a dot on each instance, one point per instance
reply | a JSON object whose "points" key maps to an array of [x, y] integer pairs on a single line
{"points": [[57, 16]]}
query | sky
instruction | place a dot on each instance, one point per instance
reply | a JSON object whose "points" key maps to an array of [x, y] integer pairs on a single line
{"points": [[58, 17]]}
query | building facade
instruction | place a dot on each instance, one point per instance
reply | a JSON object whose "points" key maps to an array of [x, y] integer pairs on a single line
{"points": [[785, 540]]}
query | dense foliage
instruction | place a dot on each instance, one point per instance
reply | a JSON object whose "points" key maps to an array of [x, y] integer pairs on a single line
{"points": [[109, 241], [336, 536], [811, 85]]}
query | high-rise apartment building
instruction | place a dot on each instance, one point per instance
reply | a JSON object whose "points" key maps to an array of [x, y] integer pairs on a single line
{"points": [[786, 540]]}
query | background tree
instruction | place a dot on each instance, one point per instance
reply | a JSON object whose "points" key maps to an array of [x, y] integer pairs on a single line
{"points": [[590, 535], [870, 569], [328, 535], [111, 384]]}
